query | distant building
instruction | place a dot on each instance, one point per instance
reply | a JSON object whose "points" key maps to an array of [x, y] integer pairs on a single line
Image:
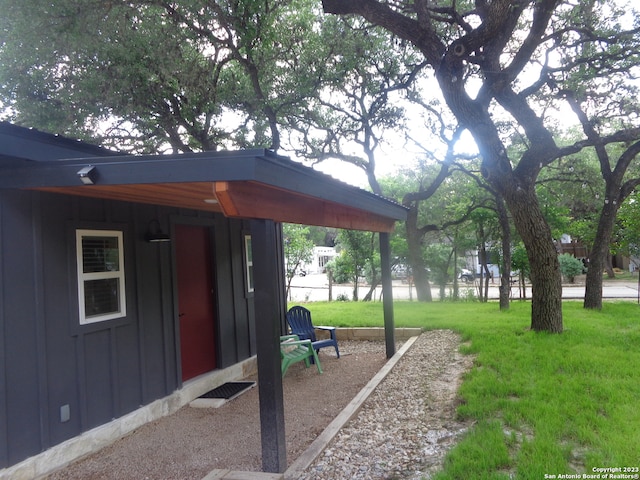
{"points": [[572, 247], [321, 256]]}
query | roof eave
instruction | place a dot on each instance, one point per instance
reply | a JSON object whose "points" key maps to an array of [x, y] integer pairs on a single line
{"points": [[256, 173]]}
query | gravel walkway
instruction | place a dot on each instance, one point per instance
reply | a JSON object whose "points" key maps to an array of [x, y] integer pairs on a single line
{"points": [[402, 431], [408, 424]]}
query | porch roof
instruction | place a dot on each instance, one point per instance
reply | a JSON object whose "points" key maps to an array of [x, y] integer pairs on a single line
{"points": [[255, 184], [247, 183]]}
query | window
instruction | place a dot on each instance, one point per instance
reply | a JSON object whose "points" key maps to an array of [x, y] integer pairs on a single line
{"points": [[248, 260], [101, 293]]}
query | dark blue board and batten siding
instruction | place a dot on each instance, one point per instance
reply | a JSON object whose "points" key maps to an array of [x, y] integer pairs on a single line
{"points": [[108, 369]]}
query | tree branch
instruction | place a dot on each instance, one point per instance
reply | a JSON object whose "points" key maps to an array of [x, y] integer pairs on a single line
{"points": [[421, 34]]}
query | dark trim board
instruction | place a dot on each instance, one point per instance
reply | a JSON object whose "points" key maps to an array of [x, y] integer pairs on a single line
{"points": [[4, 428], [33, 145]]}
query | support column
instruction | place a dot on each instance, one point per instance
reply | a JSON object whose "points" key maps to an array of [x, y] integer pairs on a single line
{"points": [[268, 308], [387, 294]]}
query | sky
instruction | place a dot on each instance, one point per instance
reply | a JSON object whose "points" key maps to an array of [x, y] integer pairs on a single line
{"points": [[388, 162]]}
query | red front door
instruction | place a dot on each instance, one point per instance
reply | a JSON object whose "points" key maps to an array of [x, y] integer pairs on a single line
{"points": [[195, 300]]}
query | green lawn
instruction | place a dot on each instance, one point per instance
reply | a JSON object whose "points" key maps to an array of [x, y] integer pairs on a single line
{"points": [[542, 404]]}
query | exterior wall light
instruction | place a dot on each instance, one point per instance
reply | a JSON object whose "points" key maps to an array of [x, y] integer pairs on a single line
{"points": [[88, 175], [155, 234]]}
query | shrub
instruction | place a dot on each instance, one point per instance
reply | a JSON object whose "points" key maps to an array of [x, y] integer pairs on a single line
{"points": [[340, 269], [570, 266]]}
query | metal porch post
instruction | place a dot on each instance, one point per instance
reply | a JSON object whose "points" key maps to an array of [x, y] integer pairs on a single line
{"points": [[387, 294], [268, 320]]}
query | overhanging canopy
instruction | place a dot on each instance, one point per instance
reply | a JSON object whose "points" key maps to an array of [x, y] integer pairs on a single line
{"points": [[248, 184]]}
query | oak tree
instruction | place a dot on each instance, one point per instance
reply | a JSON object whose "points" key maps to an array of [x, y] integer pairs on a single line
{"points": [[504, 59]]}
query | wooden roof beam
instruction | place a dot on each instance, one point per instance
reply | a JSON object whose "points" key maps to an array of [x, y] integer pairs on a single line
{"points": [[257, 200]]}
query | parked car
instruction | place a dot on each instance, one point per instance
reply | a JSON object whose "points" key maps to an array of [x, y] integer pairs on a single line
{"points": [[466, 275], [400, 271]]}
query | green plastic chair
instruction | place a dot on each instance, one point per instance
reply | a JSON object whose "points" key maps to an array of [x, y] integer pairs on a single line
{"points": [[293, 350]]}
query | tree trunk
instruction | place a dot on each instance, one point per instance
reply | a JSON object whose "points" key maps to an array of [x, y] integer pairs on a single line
{"points": [[421, 281], [483, 271], [418, 269], [515, 185], [456, 289], [369, 296], [505, 278], [375, 279], [608, 266], [599, 255], [288, 291], [522, 286], [546, 280], [487, 276], [593, 287]]}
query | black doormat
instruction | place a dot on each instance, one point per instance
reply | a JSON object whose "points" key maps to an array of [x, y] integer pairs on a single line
{"points": [[228, 390]]}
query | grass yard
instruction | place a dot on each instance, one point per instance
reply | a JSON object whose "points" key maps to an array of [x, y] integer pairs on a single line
{"points": [[542, 404]]}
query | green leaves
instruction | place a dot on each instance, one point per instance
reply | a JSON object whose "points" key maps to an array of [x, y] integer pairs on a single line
{"points": [[298, 250], [627, 234], [193, 75]]}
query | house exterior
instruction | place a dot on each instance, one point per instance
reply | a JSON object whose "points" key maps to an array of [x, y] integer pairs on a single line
{"points": [[321, 256], [130, 285]]}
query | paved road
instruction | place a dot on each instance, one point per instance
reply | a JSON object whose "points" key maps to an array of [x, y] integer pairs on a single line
{"points": [[315, 288]]}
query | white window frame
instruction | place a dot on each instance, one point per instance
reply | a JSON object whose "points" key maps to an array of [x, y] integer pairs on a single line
{"points": [[248, 263], [89, 276]]}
